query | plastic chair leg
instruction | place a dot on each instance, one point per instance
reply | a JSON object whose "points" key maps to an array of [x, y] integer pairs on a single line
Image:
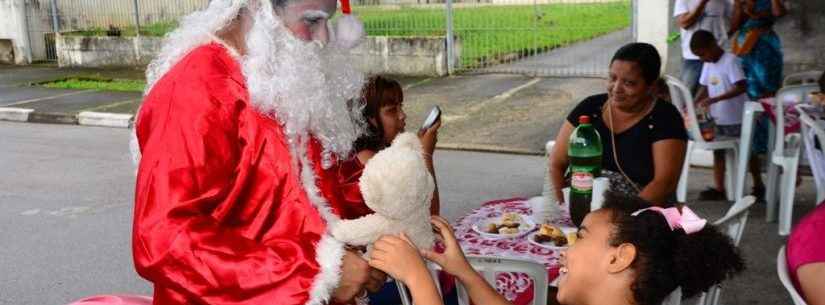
{"points": [[681, 188], [787, 195], [715, 295], [745, 141], [771, 192], [730, 170], [703, 299]]}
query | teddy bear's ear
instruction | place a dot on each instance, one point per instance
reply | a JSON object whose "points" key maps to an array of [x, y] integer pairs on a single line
{"points": [[408, 140]]}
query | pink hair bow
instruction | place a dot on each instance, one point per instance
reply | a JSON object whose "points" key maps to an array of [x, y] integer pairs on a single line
{"points": [[687, 220]]}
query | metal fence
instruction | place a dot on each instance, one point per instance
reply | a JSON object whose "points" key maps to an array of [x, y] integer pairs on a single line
{"points": [[534, 37], [102, 17]]}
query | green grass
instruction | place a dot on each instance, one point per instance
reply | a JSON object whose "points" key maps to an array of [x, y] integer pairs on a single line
{"points": [[154, 29], [488, 34], [491, 33], [98, 84]]}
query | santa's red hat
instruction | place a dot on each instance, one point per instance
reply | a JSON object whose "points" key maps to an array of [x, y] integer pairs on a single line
{"points": [[349, 31]]}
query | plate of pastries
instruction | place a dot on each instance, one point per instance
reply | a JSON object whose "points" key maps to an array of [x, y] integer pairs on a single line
{"points": [[553, 237], [507, 225]]}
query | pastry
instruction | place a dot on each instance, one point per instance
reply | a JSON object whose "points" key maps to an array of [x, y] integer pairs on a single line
{"points": [[511, 220], [549, 233]]}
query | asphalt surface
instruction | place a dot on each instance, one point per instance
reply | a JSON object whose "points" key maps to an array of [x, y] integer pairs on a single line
{"points": [[489, 112], [66, 208]]}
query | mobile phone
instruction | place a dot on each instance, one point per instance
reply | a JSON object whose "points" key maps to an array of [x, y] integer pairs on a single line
{"points": [[432, 118]]}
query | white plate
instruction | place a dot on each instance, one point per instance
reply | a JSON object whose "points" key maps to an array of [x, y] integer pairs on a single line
{"points": [[526, 226], [532, 240]]}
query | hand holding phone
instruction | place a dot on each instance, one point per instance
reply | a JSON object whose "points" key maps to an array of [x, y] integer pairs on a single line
{"points": [[432, 118]]}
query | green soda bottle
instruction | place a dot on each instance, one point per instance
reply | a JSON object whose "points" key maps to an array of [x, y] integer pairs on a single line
{"points": [[585, 153]]}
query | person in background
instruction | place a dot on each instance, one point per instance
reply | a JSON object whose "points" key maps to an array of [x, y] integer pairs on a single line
{"points": [[625, 253], [760, 50], [643, 138], [806, 256], [723, 86], [806, 247], [694, 15], [382, 106], [382, 102]]}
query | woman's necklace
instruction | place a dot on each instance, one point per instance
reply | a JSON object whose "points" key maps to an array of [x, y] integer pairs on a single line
{"points": [[609, 106]]}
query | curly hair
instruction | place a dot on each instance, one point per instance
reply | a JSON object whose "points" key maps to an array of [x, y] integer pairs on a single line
{"points": [[378, 92], [667, 259]]}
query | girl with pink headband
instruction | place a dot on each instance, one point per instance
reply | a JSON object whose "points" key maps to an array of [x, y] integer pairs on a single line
{"points": [[626, 254]]}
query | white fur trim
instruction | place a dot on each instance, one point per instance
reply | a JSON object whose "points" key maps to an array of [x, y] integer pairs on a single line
{"points": [[329, 251], [349, 32], [308, 181], [329, 255]]}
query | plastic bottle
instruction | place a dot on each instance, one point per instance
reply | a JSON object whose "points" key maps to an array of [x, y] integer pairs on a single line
{"points": [[585, 153]]}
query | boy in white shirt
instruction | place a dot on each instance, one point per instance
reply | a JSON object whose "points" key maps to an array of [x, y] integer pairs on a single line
{"points": [[694, 15], [723, 87]]}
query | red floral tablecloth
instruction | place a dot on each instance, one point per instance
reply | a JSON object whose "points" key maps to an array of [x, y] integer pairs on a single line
{"points": [[516, 287]]}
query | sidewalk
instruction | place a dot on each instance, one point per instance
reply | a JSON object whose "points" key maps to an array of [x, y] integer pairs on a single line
{"points": [[22, 99]]}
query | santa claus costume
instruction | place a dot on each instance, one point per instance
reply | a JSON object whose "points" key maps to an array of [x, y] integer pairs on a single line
{"points": [[236, 184]]}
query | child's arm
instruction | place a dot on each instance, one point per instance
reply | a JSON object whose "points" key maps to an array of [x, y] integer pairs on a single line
{"points": [[454, 262], [739, 88], [687, 20], [397, 256], [701, 95]]}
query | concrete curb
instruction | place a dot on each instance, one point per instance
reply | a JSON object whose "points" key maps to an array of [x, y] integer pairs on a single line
{"points": [[104, 119], [15, 114], [85, 118], [699, 158]]}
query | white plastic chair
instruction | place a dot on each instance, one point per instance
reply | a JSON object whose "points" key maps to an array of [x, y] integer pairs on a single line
{"points": [[682, 98], [746, 138], [785, 155], [674, 298], [817, 127], [406, 298], [785, 277], [802, 78], [490, 266], [732, 225]]}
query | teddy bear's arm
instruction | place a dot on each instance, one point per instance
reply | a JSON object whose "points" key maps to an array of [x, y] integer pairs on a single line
{"points": [[361, 231]]}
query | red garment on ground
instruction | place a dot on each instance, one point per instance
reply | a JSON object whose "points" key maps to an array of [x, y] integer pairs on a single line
{"points": [[221, 214]]}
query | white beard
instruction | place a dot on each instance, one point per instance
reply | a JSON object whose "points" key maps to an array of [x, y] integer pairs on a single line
{"points": [[305, 86]]}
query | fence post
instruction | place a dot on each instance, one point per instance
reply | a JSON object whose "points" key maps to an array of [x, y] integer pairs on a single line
{"points": [[450, 42], [137, 17], [55, 21], [634, 11]]}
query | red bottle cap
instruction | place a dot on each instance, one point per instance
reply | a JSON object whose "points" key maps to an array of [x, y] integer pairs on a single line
{"points": [[584, 119]]}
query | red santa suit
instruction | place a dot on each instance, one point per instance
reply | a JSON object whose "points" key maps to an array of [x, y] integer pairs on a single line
{"points": [[223, 211]]}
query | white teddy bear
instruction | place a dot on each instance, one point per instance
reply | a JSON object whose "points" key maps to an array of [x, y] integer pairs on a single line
{"points": [[397, 186]]}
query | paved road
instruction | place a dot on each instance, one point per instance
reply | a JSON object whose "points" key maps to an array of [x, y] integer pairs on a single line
{"points": [[66, 209], [16, 90], [586, 58]]}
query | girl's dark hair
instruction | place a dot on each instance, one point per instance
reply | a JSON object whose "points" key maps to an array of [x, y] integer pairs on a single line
{"points": [[665, 258], [644, 55], [822, 83], [378, 92]]}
